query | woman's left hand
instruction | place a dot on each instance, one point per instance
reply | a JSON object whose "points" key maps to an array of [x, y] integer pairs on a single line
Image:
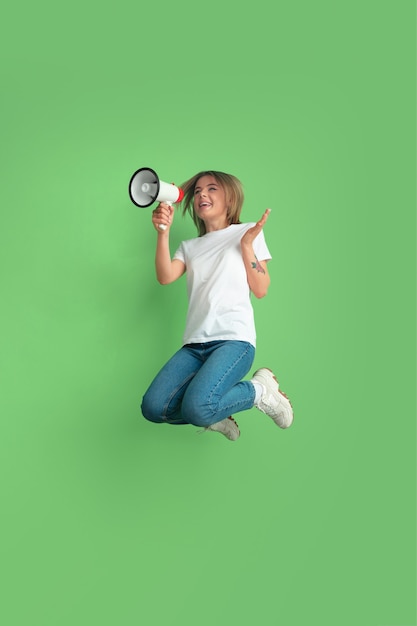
{"points": [[251, 234]]}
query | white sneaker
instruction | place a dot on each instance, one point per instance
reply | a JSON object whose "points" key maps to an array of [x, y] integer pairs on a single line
{"points": [[273, 402], [227, 427]]}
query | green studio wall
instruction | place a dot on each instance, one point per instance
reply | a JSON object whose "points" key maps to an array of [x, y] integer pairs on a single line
{"points": [[107, 519]]}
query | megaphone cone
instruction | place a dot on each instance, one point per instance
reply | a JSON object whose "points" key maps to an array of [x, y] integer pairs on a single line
{"points": [[145, 187]]}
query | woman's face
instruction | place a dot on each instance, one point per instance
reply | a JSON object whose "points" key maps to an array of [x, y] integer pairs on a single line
{"points": [[210, 199]]}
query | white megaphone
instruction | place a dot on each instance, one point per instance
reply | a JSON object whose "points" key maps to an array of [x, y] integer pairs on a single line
{"points": [[145, 187]]}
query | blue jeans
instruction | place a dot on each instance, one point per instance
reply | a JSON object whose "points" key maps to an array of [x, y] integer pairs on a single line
{"points": [[202, 384]]}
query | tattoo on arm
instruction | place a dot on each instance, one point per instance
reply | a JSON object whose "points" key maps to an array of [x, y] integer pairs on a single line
{"points": [[257, 266]]}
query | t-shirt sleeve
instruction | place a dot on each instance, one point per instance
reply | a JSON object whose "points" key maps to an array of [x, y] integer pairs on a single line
{"points": [[180, 253], [260, 248]]}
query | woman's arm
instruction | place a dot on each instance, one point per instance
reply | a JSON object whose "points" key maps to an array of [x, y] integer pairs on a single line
{"points": [[257, 271], [167, 270]]}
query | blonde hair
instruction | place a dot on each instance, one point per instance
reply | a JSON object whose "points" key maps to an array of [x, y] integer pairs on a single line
{"points": [[233, 191]]}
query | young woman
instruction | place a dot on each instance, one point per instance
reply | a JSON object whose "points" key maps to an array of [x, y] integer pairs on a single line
{"points": [[202, 383]]}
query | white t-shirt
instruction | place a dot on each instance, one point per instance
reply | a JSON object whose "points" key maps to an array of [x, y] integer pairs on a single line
{"points": [[219, 305]]}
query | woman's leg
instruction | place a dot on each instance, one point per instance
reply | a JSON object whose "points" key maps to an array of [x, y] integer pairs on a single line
{"points": [[162, 401], [216, 389]]}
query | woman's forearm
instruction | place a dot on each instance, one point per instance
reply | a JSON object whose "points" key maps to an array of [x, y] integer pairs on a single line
{"points": [[167, 270], [256, 271]]}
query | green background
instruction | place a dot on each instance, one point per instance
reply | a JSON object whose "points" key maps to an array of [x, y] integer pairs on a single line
{"points": [[105, 518]]}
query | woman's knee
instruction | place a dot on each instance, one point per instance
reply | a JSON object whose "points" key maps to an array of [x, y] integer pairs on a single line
{"points": [[150, 410]]}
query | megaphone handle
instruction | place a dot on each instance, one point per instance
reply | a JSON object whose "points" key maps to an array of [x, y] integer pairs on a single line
{"points": [[162, 226]]}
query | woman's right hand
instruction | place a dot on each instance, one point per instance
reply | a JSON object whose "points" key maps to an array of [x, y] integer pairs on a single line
{"points": [[163, 214]]}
